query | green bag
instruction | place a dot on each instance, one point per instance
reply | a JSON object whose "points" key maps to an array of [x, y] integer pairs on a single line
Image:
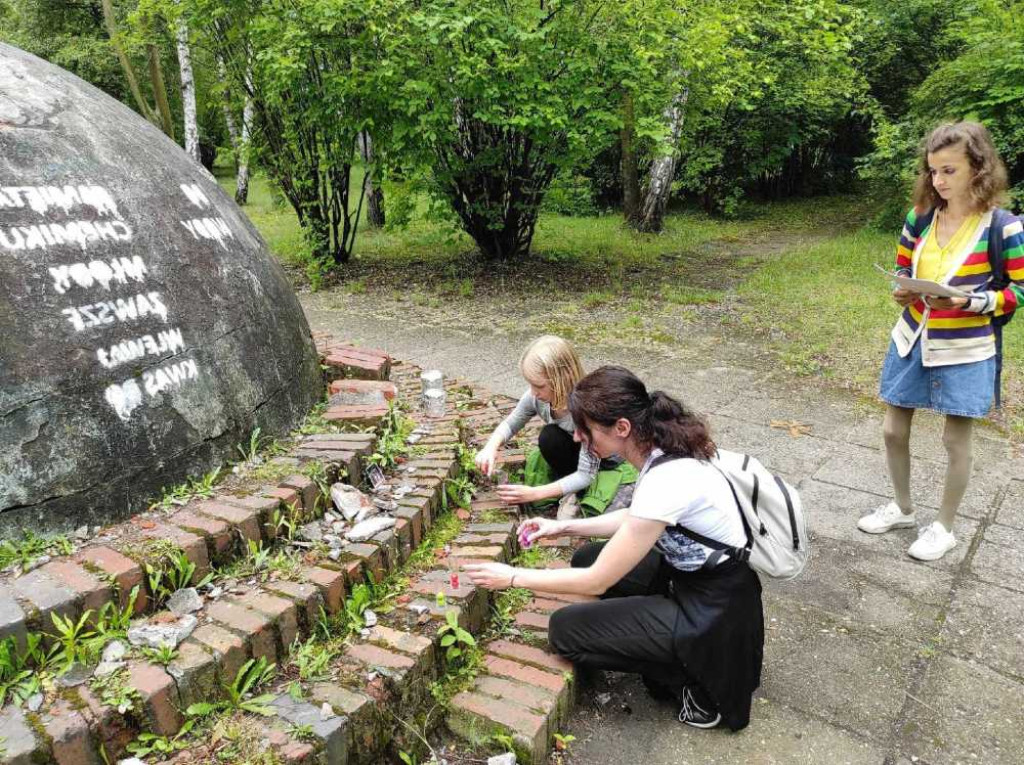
{"points": [[598, 495]]}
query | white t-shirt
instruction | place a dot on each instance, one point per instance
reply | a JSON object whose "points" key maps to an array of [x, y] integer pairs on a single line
{"points": [[690, 493]]}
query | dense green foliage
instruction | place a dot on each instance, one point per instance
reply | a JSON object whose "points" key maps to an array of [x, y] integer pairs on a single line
{"points": [[492, 106]]}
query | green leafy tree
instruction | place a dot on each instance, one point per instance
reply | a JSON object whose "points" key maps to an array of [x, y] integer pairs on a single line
{"points": [[307, 68], [494, 98]]}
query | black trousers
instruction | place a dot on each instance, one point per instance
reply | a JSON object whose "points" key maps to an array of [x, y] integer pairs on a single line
{"points": [[559, 450], [632, 627], [702, 628]]}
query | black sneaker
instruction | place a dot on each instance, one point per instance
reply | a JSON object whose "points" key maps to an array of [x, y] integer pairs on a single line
{"points": [[699, 714]]}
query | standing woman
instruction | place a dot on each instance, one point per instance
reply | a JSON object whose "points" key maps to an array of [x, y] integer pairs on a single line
{"points": [[943, 351], [693, 629]]}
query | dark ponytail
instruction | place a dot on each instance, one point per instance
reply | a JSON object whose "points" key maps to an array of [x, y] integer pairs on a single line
{"points": [[612, 392]]}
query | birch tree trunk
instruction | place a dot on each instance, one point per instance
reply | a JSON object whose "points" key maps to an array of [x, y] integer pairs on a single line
{"points": [[628, 166], [242, 176], [374, 195], [229, 116], [663, 168], [188, 91]]}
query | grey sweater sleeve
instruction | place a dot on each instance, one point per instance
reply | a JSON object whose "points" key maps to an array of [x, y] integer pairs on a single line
{"points": [[586, 469], [518, 417]]}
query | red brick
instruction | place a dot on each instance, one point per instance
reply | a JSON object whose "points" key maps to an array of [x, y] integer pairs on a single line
{"points": [[484, 553], [530, 619], [356, 415], [216, 532], [405, 642], [159, 697], [244, 520], [354, 573], [256, 628], [68, 733], [489, 504], [350, 347], [378, 657], [438, 581], [414, 516], [113, 730], [287, 496], [126, 573], [228, 649], [306, 597], [193, 546], [370, 555], [331, 585], [308, 490], [526, 674], [537, 700], [281, 610], [530, 728], [526, 654], [386, 389], [92, 591], [264, 508]]}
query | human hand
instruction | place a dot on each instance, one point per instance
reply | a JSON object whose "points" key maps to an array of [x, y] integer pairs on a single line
{"points": [[490, 576], [517, 494], [905, 297], [533, 529], [484, 460], [945, 303]]}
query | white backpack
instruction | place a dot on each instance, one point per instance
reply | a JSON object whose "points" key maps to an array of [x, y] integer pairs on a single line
{"points": [[773, 518]]}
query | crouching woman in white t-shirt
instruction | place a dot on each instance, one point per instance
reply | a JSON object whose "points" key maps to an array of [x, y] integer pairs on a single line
{"points": [[689, 621]]}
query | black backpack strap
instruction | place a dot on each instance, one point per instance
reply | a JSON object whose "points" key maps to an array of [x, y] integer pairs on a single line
{"points": [[720, 548]]}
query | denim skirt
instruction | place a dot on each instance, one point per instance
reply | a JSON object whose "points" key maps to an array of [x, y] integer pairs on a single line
{"points": [[966, 390]]}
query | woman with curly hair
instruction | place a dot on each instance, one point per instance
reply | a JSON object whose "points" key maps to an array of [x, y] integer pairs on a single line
{"points": [[945, 351]]}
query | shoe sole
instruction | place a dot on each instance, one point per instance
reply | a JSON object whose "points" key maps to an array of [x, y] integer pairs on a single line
{"points": [[897, 525], [931, 556]]}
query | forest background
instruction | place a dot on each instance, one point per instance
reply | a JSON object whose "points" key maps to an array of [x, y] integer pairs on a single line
{"points": [[639, 144]]}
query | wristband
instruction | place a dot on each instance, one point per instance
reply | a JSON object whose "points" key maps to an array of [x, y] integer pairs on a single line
{"points": [[512, 581]]}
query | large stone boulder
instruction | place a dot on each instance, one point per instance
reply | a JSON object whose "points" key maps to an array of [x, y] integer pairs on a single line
{"points": [[145, 329]]}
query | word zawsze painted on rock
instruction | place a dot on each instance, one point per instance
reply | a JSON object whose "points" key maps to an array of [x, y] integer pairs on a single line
{"points": [[129, 395], [85, 275], [120, 310], [168, 341]]}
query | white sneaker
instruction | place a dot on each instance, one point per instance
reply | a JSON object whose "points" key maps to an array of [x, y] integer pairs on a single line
{"points": [[933, 542], [886, 517]]}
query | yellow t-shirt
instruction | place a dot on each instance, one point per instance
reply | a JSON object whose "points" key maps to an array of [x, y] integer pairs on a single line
{"points": [[934, 261]]}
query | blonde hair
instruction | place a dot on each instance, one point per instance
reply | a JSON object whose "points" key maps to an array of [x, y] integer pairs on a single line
{"points": [[988, 182], [554, 360]]}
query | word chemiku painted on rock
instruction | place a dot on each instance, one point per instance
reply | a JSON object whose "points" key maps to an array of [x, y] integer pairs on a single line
{"points": [[120, 310], [167, 341], [127, 396], [80, 232], [85, 275]]}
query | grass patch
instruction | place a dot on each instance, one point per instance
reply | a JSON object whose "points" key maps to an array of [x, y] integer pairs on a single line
{"points": [[825, 312]]}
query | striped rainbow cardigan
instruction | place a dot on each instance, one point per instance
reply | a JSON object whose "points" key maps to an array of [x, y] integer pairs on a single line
{"points": [[960, 335]]}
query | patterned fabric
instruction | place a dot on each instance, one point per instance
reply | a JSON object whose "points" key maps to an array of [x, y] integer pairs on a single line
{"points": [[680, 551], [964, 335]]}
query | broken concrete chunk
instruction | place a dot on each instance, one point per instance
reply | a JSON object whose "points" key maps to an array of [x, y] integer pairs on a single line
{"points": [[369, 528], [157, 635], [349, 500], [185, 601]]}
